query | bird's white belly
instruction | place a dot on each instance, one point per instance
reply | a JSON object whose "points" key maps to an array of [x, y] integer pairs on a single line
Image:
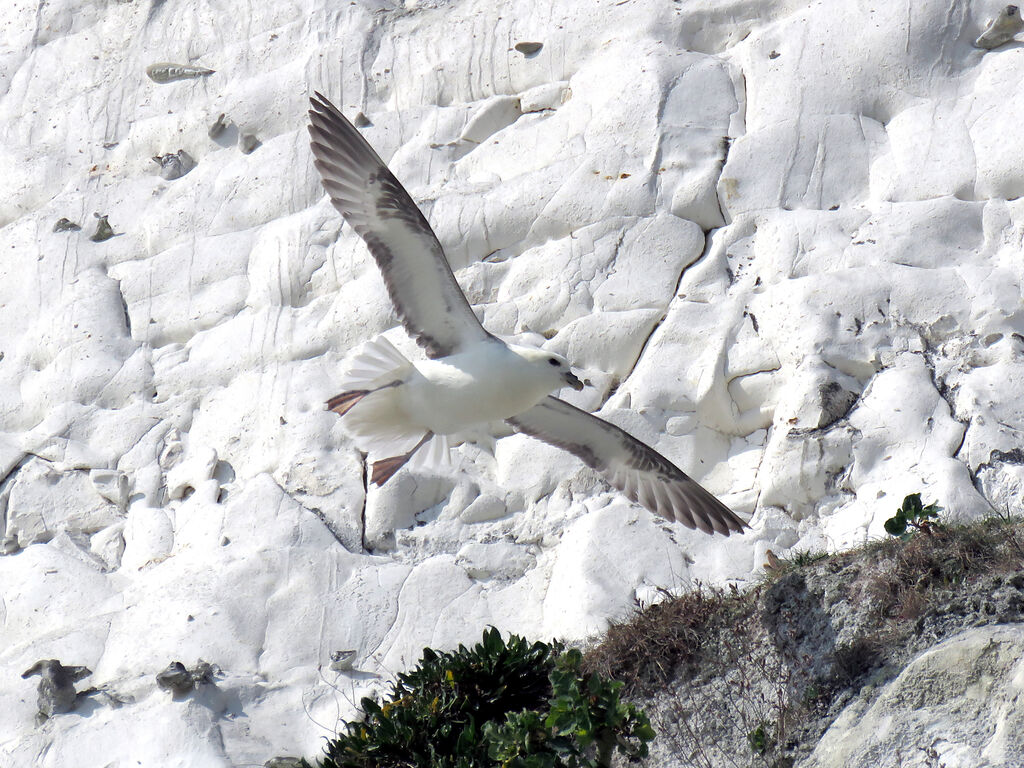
{"points": [[464, 391]]}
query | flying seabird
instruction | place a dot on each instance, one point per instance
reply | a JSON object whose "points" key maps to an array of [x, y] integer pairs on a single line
{"points": [[407, 411]]}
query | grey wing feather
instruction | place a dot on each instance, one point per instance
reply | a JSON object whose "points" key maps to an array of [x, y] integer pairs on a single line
{"points": [[416, 273], [636, 469]]}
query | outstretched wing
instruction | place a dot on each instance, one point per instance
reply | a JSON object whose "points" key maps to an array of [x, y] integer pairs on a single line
{"points": [[639, 471], [419, 280]]}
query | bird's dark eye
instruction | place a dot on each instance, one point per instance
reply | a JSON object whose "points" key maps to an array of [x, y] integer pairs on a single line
{"points": [[553, 361]]}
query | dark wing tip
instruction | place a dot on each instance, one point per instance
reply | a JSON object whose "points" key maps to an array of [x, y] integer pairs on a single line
{"points": [[321, 103], [685, 500], [324, 117], [339, 143], [705, 507], [639, 472], [675, 496]]}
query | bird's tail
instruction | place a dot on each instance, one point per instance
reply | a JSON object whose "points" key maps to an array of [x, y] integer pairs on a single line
{"points": [[373, 365], [373, 413]]}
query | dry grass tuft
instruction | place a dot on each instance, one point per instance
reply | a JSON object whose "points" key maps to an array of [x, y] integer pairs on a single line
{"points": [[669, 640], [903, 575]]}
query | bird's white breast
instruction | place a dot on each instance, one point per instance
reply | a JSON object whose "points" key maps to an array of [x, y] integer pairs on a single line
{"points": [[485, 383]]}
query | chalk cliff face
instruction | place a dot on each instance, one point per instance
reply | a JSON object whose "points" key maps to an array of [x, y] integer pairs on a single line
{"points": [[782, 240], [956, 703]]}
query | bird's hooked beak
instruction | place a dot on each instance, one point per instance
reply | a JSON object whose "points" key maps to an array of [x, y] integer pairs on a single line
{"points": [[572, 381]]}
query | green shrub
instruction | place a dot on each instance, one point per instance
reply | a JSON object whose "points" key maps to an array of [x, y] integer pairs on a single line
{"points": [[512, 704], [912, 515]]}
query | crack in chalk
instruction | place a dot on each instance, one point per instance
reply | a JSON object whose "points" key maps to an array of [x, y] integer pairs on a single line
{"points": [[997, 458], [657, 325], [322, 517], [369, 55], [726, 146], [617, 383], [124, 308], [948, 393], [394, 621], [5, 481], [362, 512], [9, 476], [740, 93], [154, 9], [727, 142]]}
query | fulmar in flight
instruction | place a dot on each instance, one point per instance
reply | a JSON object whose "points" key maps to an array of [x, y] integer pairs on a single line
{"points": [[407, 411]]}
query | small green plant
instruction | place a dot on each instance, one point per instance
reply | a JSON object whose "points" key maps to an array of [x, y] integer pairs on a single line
{"points": [[514, 704], [913, 516], [759, 740], [804, 557], [811, 696]]}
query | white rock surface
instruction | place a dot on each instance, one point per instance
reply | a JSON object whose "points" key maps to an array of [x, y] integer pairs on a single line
{"points": [[955, 705], [781, 238]]}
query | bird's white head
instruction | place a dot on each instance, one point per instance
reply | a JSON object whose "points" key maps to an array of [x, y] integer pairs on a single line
{"points": [[553, 368]]}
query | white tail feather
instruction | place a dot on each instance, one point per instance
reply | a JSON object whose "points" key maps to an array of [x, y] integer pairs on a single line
{"points": [[377, 422], [374, 364], [435, 455]]}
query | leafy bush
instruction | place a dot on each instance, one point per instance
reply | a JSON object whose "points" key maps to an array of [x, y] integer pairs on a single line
{"points": [[912, 515], [514, 704]]}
